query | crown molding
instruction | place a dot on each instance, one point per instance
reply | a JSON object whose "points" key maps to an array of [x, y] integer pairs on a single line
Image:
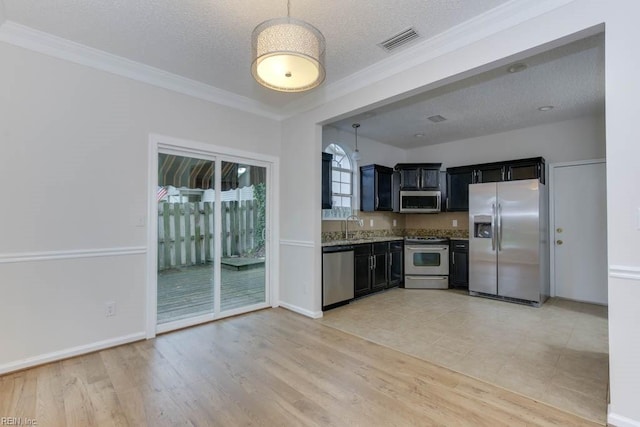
{"points": [[57, 47], [493, 21], [482, 26]]}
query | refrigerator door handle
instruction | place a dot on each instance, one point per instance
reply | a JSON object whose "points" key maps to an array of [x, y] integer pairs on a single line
{"points": [[493, 226], [499, 227]]}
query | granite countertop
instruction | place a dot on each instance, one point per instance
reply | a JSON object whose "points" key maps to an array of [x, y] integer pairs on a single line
{"points": [[357, 240]]}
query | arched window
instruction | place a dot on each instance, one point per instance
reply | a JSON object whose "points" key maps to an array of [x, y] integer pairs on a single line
{"points": [[341, 184]]}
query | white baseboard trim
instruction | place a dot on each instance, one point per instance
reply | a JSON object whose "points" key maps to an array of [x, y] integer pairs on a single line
{"points": [[71, 352], [299, 243], [624, 272], [71, 254], [300, 310], [620, 421]]}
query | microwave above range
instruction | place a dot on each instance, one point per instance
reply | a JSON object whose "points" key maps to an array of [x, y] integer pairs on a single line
{"points": [[420, 201]]}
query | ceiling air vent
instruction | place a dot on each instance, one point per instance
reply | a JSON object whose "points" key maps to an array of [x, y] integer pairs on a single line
{"points": [[399, 39], [436, 119]]}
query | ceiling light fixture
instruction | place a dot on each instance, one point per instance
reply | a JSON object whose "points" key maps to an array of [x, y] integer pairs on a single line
{"points": [[546, 108], [419, 135], [356, 154], [287, 54], [516, 68]]}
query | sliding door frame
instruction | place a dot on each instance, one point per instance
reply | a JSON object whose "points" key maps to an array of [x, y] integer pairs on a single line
{"points": [[169, 145]]}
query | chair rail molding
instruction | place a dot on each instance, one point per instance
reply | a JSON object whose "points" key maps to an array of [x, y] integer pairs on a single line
{"points": [[624, 272], [71, 254]]}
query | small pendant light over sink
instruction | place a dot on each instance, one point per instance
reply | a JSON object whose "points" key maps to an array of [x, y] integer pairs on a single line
{"points": [[287, 54], [356, 154]]}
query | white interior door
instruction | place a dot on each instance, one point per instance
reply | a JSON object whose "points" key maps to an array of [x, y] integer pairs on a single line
{"points": [[579, 220]]}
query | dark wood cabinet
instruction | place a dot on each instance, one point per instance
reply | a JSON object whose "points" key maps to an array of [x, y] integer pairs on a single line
{"points": [[419, 176], [489, 173], [396, 263], [379, 270], [459, 264], [526, 169], [376, 188], [409, 178], [377, 266], [362, 269], [326, 181], [459, 178]]}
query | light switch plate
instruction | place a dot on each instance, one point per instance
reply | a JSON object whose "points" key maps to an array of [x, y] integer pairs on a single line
{"points": [[454, 222], [395, 222], [371, 223]]}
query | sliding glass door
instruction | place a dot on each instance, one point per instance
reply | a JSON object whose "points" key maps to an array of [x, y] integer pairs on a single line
{"points": [[186, 237], [243, 250], [211, 238]]}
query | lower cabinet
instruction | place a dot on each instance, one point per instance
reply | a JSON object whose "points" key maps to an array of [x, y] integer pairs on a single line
{"points": [[459, 264], [377, 266], [396, 263]]}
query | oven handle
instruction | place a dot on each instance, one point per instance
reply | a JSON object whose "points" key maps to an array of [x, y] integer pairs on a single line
{"points": [[425, 277], [422, 248]]}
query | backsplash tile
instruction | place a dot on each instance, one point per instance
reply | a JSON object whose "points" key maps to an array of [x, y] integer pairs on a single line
{"points": [[437, 225]]}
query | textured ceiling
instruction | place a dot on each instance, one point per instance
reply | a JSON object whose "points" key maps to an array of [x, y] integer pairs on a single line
{"points": [[570, 78], [210, 40]]}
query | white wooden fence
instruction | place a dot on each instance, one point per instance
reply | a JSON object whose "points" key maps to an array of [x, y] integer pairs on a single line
{"points": [[186, 232]]}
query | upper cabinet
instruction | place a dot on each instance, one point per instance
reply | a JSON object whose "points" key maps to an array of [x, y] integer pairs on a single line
{"points": [[512, 170], [419, 176], [459, 178], [326, 180], [376, 186]]}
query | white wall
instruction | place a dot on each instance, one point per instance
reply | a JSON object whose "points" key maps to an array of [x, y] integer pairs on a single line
{"points": [[372, 151], [74, 145], [579, 139], [505, 44]]}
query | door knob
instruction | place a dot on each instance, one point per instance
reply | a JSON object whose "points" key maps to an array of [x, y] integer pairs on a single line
{"points": [[559, 242], [559, 229]]}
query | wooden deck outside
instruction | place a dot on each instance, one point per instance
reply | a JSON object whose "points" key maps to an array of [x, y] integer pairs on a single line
{"points": [[188, 291]]}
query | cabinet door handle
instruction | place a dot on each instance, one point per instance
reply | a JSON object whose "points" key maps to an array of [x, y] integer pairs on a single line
{"points": [[375, 262], [453, 260], [377, 202]]}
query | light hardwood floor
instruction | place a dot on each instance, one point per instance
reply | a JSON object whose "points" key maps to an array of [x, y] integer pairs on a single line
{"points": [[271, 368]]}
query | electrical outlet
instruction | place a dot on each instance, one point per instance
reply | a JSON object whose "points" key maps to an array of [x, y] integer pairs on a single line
{"points": [[454, 222], [371, 223], [110, 309], [395, 222]]}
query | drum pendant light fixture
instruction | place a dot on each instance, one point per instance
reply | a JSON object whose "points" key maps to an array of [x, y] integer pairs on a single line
{"points": [[287, 54], [356, 154]]}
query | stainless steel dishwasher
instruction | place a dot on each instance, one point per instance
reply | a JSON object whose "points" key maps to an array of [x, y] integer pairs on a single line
{"points": [[337, 276]]}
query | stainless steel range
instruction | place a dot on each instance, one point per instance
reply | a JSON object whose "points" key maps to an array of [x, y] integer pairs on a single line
{"points": [[426, 263]]}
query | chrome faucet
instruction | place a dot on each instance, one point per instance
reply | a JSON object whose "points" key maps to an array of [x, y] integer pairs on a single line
{"points": [[346, 224]]}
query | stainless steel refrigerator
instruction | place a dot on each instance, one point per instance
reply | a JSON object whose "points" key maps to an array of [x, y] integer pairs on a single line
{"points": [[508, 241]]}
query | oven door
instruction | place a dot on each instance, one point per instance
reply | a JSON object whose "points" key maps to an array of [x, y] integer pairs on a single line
{"points": [[432, 260]]}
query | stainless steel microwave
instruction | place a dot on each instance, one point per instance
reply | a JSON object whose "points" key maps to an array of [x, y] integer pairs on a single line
{"points": [[420, 201]]}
